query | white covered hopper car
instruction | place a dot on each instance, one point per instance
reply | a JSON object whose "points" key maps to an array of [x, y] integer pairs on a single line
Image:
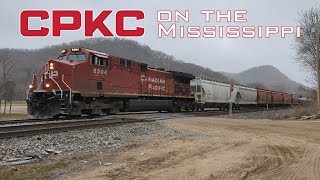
{"points": [[213, 94]]}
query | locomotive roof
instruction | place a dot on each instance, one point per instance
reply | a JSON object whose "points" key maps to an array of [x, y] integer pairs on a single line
{"points": [[96, 52], [175, 73]]}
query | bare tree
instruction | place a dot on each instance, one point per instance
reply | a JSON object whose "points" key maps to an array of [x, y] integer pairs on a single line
{"points": [[305, 46], [9, 93], [6, 69]]}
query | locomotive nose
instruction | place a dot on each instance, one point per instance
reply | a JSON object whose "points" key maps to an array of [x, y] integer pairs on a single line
{"points": [[43, 105]]}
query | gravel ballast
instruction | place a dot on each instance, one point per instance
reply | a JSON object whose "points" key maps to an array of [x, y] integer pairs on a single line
{"points": [[81, 141], [98, 139]]}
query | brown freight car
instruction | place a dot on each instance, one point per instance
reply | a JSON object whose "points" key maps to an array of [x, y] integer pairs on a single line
{"points": [[277, 98], [287, 99], [264, 97], [295, 99]]}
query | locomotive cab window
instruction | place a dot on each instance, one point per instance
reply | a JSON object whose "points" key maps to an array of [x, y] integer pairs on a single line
{"points": [[77, 57], [63, 57]]}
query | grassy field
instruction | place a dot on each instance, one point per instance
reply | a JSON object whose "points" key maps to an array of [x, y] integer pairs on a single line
{"points": [[18, 109], [39, 171], [15, 103], [13, 116]]}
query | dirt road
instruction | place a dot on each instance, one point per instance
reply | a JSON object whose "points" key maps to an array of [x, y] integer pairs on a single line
{"points": [[223, 149]]}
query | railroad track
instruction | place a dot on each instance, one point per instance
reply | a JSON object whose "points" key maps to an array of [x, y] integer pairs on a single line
{"points": [[18, 128], [57, 126], [17, 121]]}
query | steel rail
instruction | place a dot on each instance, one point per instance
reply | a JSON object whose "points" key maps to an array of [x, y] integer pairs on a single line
{"points": [[58, 126]]}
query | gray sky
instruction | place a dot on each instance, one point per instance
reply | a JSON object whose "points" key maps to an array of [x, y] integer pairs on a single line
{"points": [[230, 55]]}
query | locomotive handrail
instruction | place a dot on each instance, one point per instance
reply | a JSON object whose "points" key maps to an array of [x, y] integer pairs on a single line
{"points": [[70, 94], [61, 95], [41, 81]]}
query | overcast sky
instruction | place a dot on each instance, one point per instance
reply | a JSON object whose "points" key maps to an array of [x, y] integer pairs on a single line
{"points": [[230, 55]]}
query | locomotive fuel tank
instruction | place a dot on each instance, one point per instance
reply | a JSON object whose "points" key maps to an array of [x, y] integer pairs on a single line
{"points": [[149, 105]]}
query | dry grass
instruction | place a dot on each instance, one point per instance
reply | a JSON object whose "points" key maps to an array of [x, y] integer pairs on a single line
{"points": [[299, 111], [35, 172]]}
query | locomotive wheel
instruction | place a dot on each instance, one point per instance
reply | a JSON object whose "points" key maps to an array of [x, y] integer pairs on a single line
{"points": [[173, 110], [93, 115], [73, 116], [186, 109], [114, 110], [57, 116], [179, 109]]}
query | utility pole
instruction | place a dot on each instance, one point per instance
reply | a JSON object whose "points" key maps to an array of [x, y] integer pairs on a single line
{"points": [[230, 101], [230, 107], [317, 62]]}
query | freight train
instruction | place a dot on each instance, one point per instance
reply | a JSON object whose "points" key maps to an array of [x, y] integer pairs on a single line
{"points": [[213, 94], [83, 81]]}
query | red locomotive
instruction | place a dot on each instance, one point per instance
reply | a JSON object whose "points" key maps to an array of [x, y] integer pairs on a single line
{"points": [[83, 81]]}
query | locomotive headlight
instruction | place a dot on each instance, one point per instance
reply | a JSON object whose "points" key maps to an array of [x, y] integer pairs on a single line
{"points": [[47, 85], [75, 49], [51, 66], [30, 86]]}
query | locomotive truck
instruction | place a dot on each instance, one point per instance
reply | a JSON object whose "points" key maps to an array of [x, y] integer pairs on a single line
{"points": [[83, 81]]}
